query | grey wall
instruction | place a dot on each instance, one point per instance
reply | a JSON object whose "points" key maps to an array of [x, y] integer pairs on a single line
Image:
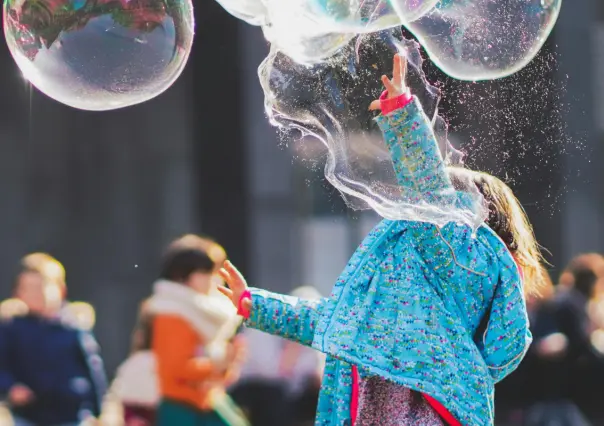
{"points": [[100, 191]]}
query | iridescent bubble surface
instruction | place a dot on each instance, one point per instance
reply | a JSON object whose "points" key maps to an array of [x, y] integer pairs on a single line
{"points": [[100, 54], [485, 39], [324, 67], [330, 101], [468, 39]]}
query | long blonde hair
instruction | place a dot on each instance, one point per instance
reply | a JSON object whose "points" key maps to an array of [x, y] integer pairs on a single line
{"points": [[509, 220]]}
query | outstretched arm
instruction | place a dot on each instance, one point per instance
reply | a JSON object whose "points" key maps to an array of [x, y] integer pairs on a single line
{"points": [[408, 134], [289, 317]]}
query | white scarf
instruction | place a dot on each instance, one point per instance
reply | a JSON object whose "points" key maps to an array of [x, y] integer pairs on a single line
{"points": [[213, 316]]}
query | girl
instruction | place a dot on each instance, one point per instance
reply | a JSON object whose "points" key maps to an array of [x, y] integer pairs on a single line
{"points": [[423, 320]]}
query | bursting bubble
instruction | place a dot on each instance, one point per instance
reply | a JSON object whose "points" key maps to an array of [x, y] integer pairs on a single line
{"points": [[485, 39], [100, 54], [324, 70], [329, 102], [467, 39]]}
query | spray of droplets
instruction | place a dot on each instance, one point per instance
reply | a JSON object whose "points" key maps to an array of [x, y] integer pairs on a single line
{"points": [[516, 128], [324, 67]]}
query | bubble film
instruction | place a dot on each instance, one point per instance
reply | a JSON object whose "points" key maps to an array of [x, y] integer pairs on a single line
{"points": [[329, 101], [99, 54], [467, 39], [485, 39]]}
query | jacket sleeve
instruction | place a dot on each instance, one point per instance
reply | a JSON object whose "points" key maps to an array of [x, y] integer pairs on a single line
{"points": [[96, 368], [418, 164], [506, 337], [174, 345], [6, 378], [285, 316]]}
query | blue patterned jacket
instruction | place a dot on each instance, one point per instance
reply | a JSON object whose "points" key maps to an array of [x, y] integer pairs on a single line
{"points": [[438, 310]]}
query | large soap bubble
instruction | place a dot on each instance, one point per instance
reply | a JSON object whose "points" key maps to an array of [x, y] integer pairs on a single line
{"points": [[100, 54], [467, 39], [329, 101], [485, 39]]}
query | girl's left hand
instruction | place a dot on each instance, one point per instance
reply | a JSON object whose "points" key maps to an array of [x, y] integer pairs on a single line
{"points": [[237, 285], [397, 86]]}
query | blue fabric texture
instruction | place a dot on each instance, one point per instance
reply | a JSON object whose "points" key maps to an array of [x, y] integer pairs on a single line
{"points": [[411, 304]]}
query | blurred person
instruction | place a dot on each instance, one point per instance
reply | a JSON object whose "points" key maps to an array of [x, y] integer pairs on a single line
{"points": [[51, 372], [136, 384], [580, 367], [194, 341], [285, 392], [518, 392], [563, 367], [424, 320], [261, 392]]}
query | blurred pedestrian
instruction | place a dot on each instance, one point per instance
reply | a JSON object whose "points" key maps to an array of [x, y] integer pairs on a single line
{"points": [[563, 367], [50, 368], [136, 384], [194, 338]]}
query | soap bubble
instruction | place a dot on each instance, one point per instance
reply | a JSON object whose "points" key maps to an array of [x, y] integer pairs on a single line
{"points": [[329, 102], [309, 31], [100, 54], [485, 39], [468, 39]]}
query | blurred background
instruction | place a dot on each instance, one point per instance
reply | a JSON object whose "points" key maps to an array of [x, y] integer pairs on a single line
{"points": [[105, 192]]}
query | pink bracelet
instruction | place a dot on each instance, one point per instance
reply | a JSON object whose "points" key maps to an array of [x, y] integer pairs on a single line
{"points": [[244, 312], [389, 105]]}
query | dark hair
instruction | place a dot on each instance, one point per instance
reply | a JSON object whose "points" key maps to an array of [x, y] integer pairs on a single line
{"points": [[142, 334], [180, 262], [583, 272], [585, 282], [187, 255]]}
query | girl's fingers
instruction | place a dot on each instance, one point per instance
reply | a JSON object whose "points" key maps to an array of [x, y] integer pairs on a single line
{"points": [[399, 70], [375, 105], [396, 67], [234, 272], [228, 293], [388, 85], [224, 274]]}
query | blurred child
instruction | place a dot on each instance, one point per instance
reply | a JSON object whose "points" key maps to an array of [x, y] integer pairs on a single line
{"points": [[50, 368], [193, 339]]}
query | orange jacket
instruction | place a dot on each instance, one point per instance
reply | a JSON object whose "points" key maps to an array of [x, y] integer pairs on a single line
{"points": [[183, 376]]}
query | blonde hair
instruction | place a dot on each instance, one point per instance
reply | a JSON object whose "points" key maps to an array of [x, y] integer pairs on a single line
{"points": [[50, 268], [509, 220]]}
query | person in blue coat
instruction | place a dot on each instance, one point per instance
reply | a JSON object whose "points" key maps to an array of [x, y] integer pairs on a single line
{"points": [[424, 319], [51, 372]]}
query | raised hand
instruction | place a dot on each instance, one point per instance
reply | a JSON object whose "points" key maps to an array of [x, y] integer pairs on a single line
{"points": [[397, 86], [236, 283]]}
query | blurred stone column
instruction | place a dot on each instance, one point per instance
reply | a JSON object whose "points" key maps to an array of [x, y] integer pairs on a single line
{"points": [[273, 258], [580, 39]]}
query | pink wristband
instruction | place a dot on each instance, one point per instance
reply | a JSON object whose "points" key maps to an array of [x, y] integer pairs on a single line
{"points": [[244, 312], [389, 105]]}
